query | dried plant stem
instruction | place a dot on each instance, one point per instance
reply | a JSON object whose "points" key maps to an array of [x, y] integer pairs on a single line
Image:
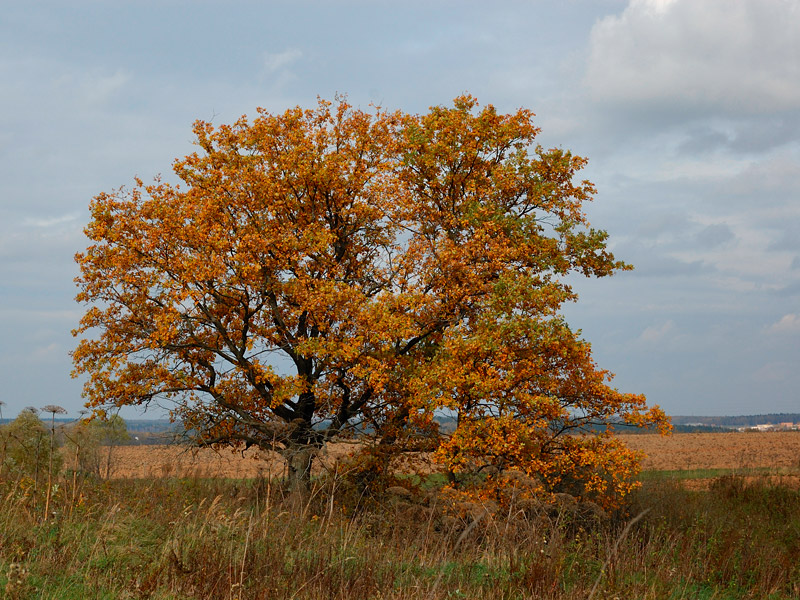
{"points": [[612, 556], [244, 554], [53, 410]]}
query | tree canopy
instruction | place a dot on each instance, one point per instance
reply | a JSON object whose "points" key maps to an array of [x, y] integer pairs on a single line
{"points": [[332, 270]]}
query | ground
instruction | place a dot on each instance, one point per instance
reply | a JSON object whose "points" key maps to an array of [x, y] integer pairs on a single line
{"points": [[707, 454]]}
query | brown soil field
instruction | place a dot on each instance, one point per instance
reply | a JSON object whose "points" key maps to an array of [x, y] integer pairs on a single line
{"points": [[777, 451], [179, 461], [774, 456]]}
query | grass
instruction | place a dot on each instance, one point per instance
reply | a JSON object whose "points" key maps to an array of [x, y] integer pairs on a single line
{"points": [[225, 539], [681, 474]]}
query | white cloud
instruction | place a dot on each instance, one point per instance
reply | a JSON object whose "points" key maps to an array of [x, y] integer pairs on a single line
{"points": [[777, 371], [46, 352], [49, 222], [656, 333], [279, 60], [787, 324], [89, 86], [739, 56], [741, 256], [34, 315], [99, 89]]}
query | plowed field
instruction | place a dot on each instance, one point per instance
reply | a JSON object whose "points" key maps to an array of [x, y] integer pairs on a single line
{"points": [[776, 451], [166, 461], [771, 450]]}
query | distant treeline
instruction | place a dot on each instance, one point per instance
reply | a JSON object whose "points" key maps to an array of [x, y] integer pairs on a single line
{"points": [[151, 426], [160, 431], [628, 429], [448, 425], [701, 429], [735, 422], [140, 431], [139, 425]]}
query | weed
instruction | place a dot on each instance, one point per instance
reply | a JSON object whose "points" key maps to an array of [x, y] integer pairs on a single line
{"points": [[17, 584], [222, 539]]}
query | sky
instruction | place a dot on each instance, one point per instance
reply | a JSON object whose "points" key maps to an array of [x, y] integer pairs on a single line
{"points": [[689, 114]]}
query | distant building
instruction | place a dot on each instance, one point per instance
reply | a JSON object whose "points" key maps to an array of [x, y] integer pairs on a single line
{"points": [[772, 427]]}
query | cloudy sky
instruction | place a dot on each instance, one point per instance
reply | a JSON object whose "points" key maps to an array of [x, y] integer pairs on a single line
{"points": [[688, 110]]}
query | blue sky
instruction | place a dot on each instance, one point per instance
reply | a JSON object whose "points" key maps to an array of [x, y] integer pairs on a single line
{"points": [[689, 113]]}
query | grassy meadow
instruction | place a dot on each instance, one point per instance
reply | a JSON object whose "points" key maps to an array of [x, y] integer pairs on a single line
{"points": [[187, 538]]}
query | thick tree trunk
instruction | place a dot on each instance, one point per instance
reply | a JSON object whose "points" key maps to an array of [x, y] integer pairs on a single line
{"points": [[299, 459]]}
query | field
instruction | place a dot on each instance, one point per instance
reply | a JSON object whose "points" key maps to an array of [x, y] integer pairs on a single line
{"points": [[691, 453], [170, 460], [717, 517]]}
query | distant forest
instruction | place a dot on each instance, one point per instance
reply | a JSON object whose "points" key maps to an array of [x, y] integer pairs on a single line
{"points": [[734, 422], [160, 431]]}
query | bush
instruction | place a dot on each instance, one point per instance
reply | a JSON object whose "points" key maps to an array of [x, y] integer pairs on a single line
{"points": [[26, 448], [92, 444]]}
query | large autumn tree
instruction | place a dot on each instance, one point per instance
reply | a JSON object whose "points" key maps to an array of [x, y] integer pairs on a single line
{"points": [[328, 270]]}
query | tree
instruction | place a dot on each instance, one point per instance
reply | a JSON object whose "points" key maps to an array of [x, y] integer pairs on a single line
{"points": [[329, 269], [92, 443], [29, 451]]}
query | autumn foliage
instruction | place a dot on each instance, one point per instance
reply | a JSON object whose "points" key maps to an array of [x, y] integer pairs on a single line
{"points": [[332, 271]]}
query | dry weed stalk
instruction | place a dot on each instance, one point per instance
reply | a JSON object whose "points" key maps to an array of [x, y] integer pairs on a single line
{"points": [[612, 555], [53, 409]]}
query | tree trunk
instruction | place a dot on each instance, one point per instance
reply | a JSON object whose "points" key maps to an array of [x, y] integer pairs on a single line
{"points": [[299, 459]]}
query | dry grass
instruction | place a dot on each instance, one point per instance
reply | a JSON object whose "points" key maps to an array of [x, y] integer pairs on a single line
{"points": [[221, 539], [778, 451]]}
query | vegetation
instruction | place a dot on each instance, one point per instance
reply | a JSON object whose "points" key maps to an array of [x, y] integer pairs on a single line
{"points": [[225, 540], [28, 452], [91, 444], [398, 266]]}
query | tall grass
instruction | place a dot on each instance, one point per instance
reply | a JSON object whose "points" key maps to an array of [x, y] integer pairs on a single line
{"points": [[224, 539]]}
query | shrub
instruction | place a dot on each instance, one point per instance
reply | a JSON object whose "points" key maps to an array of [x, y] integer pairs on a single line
{"points": [[27, 448], [91, 443]]}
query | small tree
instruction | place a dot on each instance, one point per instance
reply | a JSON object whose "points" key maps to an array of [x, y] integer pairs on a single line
{"points": [[92, 443], [111, 432], [401, 265], [29, 450]]}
